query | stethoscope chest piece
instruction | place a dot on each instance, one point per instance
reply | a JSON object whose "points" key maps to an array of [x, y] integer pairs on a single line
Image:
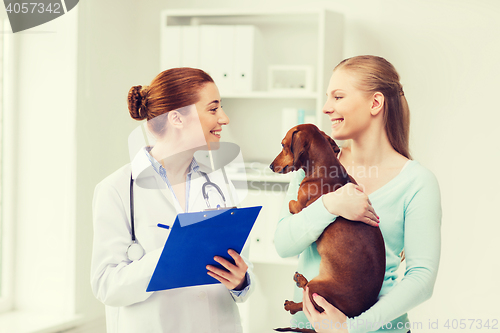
{"points": [[135, 251]]}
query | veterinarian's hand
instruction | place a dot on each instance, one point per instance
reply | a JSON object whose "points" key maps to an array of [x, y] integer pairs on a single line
{"points": [[332, 320], [235, 278], [351, 202]]}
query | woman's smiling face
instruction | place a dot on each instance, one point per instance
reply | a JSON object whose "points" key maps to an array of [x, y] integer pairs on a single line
{"points": [[210, 112], [347, 106]]}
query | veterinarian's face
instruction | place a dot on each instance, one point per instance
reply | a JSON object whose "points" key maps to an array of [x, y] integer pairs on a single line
{"points": [[210, 112], [347, 106]]}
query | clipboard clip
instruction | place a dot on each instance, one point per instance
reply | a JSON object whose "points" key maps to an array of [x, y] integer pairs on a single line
{"points": [[218, 208]]}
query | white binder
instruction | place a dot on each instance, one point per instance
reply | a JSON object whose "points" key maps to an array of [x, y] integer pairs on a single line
{"points": [[217, 54], [190, 48], [244, 44], [226, 52], [208, 49], [170, 49]]}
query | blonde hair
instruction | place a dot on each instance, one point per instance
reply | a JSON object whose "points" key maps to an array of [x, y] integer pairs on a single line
{"points": [[375, 74]]}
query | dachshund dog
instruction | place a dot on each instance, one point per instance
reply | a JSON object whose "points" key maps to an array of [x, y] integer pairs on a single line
{"points": [[352, 266]]}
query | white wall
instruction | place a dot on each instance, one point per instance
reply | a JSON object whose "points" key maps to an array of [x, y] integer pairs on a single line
{"points": [[44, 109]]}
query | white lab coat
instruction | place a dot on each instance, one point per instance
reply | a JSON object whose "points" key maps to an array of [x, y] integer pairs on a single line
{"points": [[121, 284]]}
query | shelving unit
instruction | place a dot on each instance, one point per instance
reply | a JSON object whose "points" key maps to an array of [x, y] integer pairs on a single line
{"points": [[304, 36], [294, 36]]}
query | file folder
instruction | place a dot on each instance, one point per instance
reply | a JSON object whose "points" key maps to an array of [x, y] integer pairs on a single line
{"points": [[193, 242], [190, 44], [243, 58], [171, 43]]}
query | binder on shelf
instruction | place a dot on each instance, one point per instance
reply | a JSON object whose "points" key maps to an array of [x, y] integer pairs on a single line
{"points": [[224, 71], [289, 117], [310, 118], [190, 46], [208, 49], [170, 48], [193, 242], [243, 58], [301, 115], [226, 52]]}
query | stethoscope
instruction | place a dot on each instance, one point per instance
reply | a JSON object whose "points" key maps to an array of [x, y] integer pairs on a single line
{"points": [[135, 250]]}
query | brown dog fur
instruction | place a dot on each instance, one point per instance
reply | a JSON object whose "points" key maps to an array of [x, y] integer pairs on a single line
{"points": [[352, 253]]}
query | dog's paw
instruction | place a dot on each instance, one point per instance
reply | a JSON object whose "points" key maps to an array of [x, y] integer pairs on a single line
{"points": [[294, 207], [300, 280], [292, 307]]}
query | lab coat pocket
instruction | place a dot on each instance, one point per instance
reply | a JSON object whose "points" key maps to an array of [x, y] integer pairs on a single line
{"points": [[160, 233], [153, 210]]}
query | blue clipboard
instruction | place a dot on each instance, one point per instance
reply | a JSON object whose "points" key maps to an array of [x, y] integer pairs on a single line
{"points": [[194, 240]]}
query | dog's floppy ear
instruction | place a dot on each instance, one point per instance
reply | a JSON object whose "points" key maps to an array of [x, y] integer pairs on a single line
{"points": [[298, 146], [335, 148]]}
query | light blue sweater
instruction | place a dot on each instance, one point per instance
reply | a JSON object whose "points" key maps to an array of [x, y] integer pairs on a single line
{"points": [[409, 207]]}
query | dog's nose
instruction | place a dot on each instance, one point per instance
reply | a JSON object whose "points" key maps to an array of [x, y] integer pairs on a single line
{"points": [[271, 166]]}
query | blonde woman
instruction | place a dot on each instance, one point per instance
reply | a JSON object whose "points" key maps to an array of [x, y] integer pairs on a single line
{"points": [[367, 107]]}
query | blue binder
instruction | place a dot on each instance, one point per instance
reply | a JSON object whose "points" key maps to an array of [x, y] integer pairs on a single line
{"points": [[194, 240]]}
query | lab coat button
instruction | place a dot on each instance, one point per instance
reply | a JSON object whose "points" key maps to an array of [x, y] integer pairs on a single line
{"points": [[202, 295]]}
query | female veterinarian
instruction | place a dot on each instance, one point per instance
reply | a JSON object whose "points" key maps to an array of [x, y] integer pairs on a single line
{"points": [[183, 109], [366, 104]]}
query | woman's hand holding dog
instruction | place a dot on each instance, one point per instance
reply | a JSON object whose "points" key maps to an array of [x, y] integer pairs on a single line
{"points": [[236, 277], [352, 203], [332, 320]]}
